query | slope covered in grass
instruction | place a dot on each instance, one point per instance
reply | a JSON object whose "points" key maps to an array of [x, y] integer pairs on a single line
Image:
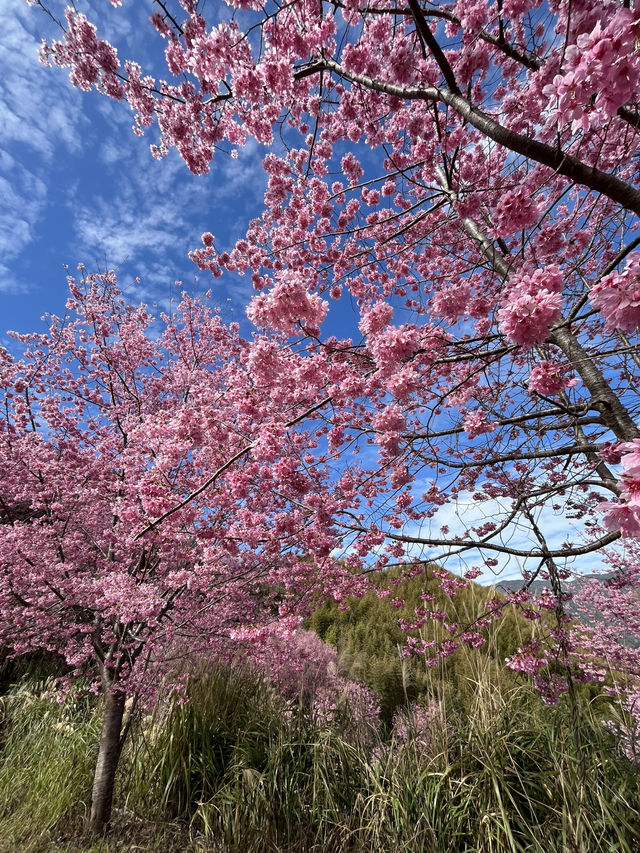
{"points": [[370, 641]]}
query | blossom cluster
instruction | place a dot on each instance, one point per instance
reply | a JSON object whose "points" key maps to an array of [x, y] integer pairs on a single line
{"points": [[306, 670], [601, 72], [476, 423], [530, 306], [414, 727], [515, 211], [289, 306], [617, 296], [548, 378], [625, 514]]}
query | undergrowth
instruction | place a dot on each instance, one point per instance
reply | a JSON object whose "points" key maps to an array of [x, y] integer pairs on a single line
{"points": [[236, 769]]}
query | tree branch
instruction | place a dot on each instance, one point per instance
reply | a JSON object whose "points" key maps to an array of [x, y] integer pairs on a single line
{"points": [[561, 162]]}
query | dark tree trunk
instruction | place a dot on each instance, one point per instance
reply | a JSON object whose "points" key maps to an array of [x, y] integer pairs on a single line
{"points": [[107, 763]]}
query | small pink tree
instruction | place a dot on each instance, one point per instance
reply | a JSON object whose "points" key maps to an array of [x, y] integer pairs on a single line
{"points": [[110, 424]]}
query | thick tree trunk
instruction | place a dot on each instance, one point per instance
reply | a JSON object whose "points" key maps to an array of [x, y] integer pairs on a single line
{"points": [[107, 764]]}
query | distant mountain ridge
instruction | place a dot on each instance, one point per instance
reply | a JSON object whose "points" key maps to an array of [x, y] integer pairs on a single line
{"points": [[538, 585], [573, 586]]}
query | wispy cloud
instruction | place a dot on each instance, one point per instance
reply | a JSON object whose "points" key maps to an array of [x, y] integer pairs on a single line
{"points": [[9, 284], [155, 212], [38, 108], [458, 517], [40, 117], [23, 196], [76, 182]]}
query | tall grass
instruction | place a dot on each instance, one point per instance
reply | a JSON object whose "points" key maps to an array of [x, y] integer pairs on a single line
{"points": [[506, 774], [46, 759], [238, 770]]}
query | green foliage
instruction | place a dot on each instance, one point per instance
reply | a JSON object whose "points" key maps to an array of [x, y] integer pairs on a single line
{"points": [[48, 753], [185, 747], [504, 773], [369, 641], [35, 667]]}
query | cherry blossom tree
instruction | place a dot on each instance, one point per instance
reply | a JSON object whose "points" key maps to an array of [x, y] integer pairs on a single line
{"points": [[460, 179], [111, 423]]}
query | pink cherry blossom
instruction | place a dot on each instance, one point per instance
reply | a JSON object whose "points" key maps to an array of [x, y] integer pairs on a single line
{"points": [[288, 306], [446, 302], [621, 516], [515, 211], [530, 306], [547, 378], [617, 296], [476, 423], [601, 72]]}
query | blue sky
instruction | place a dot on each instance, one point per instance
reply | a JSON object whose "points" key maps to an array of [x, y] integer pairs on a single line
{"points": [[76, 185]]}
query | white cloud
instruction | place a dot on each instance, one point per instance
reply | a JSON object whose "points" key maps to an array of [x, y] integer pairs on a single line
{"points": [[465, 513], [110, 152], [23, 195], [41, 120], [76, 182], [9, 284], [38, 107], [151, 214]]}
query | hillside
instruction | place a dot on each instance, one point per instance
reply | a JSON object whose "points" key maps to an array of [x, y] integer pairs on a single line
{"points": [[369, 640]]}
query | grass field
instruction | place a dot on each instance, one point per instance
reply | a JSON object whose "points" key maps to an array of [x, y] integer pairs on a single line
{"points": [[237, 769]]}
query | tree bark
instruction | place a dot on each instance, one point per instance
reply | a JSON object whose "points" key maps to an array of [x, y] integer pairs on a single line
{"points": [[603, 399], [107, 763], [555, 158]]}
